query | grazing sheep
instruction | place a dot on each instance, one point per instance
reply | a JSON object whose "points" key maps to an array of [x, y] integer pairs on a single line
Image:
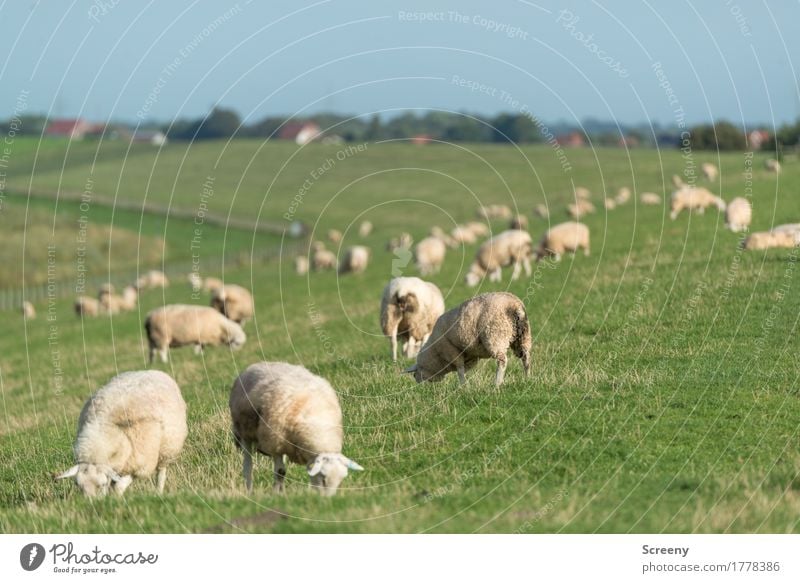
{"points": [[650, 198], [429, 255], [494, 211], [409, 309], [693, 197], [784, 239], [562, 238], [623, 195], [280, 409], [114, 304], [322, 258], [519, 222], [709, 170], [179, 325], [772, 165], [86, 306], [335, 236], [364, 229], [356, 260], [580, 208], [439, 233], [484, 327], [582, 193], [132, 427], [508, 248], [301, 265], [404, 241], [541, 211], [463, 235], [28, 311], [478, 229], [738, 214], [788, 228], [152, 279], [610, 204], [234, 302]]}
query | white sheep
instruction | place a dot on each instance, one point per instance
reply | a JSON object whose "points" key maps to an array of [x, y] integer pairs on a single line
{"points": [[301, 265], [582, 192], [541, 211], [234, 302], [494, 211], [772, 165], [609, 203], [404, 241], [356, 260], [623, 195], [738, 214], [511, 247], [463, 235], [179, 325], [484, 327], [439, 233], [781, 239], [279, 409], [409, 309], [519, 222], [322, 258], [152, 279], [28, 311], [478, 229], [335, 236], [364, 229], [429, 255], [111, 303], [580, 208], [212, 283], [132, 427], [86, 306], [650, 198], [709, 170], [569, 236], [693, 198]]}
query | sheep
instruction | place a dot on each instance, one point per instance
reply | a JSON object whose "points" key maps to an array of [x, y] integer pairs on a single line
{"points": [[404, 241], [409, 309], [132, 427], [439, 233], [234, 302], [364, 229], [507, 248], [693, 197], [580, 208], [783, 239], [86, 306], [322, 258], [790, 228], [301, 265], [212, 283], [610, 204], [650, 198], [582, 193], [356, 260], [738, 214], [623, 195], [564, 237], [152, 279], [519, 222], [179, 325], [484, 327], [710, 171], [541, 211], [478, 229], [280, 409], [429, 255], [462, 235], [114, 304], [335, 236], [494, 211], [28, 311], [772, 165]]}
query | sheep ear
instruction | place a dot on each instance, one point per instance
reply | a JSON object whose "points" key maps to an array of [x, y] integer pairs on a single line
{"points": [[315, 467], [70, 473], [411, 369], [351, 465]]}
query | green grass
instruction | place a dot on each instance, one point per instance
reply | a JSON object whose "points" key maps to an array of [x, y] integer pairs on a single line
{"points": [[664, 394]]}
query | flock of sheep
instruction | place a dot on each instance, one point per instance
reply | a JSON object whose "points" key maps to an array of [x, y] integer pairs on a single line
{"points": [[135, 426]]}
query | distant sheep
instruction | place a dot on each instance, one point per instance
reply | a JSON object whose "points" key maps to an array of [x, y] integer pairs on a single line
{"points": [[114, 304], [179, 325], [478, 229], [772, 240], [301, 265], [772, 165], [580, 208], [565, 237], [86, 306], [364, 229], [693, 198], [132, 427], [710, 171], [335, 236], [280, 409], [650, 198], [404, 241], [623, 195], [463, 235], [519, 222], [439, 233], [582, 193], [429, 255], [355, 260], [494, 211], [610, 204], [234, 302], [738, 214], [484, 327], [541, 211], [28, 311], [511, 247], [409, 309], [152, 279], [322, 259]]}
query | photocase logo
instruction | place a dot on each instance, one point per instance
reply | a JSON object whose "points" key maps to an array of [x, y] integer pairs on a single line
{"points": [[31, 556], [402, 257]]}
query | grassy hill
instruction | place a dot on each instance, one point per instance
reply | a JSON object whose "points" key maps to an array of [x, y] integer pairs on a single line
{"points": [[664, 394]]}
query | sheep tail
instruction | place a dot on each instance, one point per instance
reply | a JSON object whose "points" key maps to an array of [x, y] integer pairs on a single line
{"points": [[522, 341]]}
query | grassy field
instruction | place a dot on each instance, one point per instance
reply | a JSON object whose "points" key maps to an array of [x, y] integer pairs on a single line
{"points": [[664, 396]]}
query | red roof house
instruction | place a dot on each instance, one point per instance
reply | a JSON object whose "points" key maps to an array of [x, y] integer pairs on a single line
{"points": [[73, 129]]}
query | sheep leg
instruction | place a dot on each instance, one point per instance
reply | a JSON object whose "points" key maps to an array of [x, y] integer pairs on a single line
{"points": [[586, 251], [496, 275], [393, 340], [515, 272], [526, 263], [247, 465], [462, 372], [502, 362], [198, 349], [121, 485], [163, 353], [279, 471], [161, 479]]}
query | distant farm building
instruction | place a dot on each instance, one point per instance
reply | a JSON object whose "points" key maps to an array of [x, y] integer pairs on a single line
{"points": [[301, 132], [571, 140], [153, 137], [72, 129], [421, 139], [757, 138]]}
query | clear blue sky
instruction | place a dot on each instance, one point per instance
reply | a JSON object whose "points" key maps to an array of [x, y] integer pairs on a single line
{"points": [[735, 60]]}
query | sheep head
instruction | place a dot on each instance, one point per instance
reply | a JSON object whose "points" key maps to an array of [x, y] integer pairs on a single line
{"points": [[328, 470], [93, 479]]}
